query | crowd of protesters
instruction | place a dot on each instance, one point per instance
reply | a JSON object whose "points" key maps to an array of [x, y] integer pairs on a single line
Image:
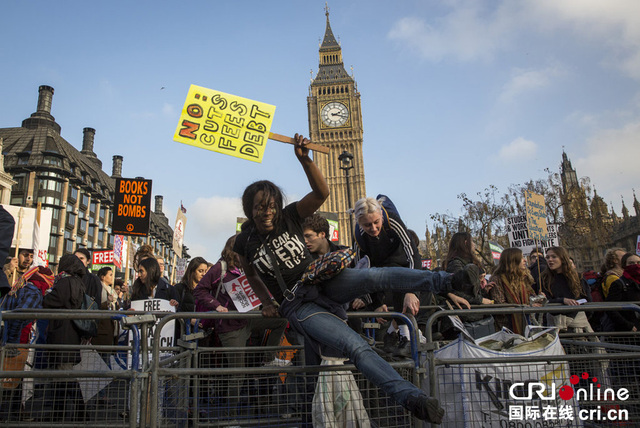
{"points": [[274, 248]]}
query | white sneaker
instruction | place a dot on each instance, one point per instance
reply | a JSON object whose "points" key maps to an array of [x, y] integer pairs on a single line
{"points": [[277, 362]]}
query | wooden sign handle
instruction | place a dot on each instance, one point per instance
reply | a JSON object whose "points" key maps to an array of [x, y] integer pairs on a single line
{"points": [[289, 140]]}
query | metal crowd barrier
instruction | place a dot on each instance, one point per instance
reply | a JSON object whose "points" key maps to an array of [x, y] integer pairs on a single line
{"points": [[187, 384], [592, 380], [142, 383]]}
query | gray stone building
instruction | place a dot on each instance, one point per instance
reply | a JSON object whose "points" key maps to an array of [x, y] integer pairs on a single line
{"points": [[71, 184]]}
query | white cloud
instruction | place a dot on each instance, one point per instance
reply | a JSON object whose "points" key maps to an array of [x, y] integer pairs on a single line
{"points": [[524, 81], [517, 149], [471, 31], [169, 110], [210, 222], [611, 161], [462, 34]]}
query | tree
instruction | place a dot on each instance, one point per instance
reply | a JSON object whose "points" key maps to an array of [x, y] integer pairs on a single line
{"points": [[483, 218]]}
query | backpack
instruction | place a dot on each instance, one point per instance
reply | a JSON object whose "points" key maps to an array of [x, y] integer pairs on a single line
{"points": [[599, 320], [87, 328], [595, 285]]}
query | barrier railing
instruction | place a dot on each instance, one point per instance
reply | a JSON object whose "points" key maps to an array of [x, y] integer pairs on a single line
{"points": [[567, 379], [191, 383]]}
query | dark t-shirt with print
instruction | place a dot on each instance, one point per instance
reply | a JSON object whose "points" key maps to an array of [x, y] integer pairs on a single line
{"points": [[287, 244]]}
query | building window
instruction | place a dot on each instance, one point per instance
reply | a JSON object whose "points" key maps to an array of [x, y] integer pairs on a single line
{"points": [[53, 247], [74, 194], [20, 180], [49, 200], [50, 174], [84, 201], [52, 160], [71, 216], [55, 213], [82, 227], [52, 185], [68, 246]]}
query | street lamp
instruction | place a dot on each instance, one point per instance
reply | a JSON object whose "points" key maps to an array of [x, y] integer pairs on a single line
{"points": [[346, 159]]}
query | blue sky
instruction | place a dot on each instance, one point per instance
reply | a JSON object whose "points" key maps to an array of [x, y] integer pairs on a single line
{"points": [[456, 95]]}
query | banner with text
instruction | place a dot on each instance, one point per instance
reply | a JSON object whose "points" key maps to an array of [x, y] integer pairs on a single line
{"points": [[225, 123], [181, 267], [536, 215], [26, 218], [132, 207], [242, 294], [519, 235], [103, 257], [118, 247], [166, 336], [178, 232]]}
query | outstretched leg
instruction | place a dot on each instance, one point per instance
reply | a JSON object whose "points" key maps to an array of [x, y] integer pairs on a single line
{"points": [[352, 283], [330, 330]]}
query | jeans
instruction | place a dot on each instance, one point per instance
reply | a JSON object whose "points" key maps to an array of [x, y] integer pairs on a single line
{"points": [[330, 330]]}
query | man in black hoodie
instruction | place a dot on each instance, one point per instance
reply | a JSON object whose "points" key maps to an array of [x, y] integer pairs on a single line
{"points": [[92, 284]]}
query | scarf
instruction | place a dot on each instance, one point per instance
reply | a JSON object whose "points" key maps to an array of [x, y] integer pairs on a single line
{"points": [[39, 273], [518, 293], [632, 272]]}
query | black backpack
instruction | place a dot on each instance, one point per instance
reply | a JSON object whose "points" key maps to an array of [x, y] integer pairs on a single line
{"points": [[87, 328]]}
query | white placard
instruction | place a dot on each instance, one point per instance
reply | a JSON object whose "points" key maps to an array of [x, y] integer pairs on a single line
{"points": [[242, 294], [167, 334], [519, 235]]}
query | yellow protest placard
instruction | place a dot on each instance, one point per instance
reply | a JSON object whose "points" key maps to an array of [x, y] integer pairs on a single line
{"points": [[536, 216], [225, 123]]}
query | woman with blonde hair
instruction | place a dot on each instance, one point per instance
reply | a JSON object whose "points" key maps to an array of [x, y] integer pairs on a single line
{"points": [[611, 269], [512, 284]]}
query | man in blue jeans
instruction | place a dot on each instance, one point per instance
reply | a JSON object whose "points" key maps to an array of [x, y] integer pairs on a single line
{"points": [[274, 257]]}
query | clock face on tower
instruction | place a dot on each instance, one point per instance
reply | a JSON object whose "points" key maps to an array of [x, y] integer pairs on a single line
{"points": [[334, 114]]}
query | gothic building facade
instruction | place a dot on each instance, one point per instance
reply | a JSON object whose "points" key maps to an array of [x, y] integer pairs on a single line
{"points": [[335, 121], [589, 227], [47, 169]]}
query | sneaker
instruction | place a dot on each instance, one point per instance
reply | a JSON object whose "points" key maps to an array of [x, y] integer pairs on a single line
{"points": [[390, 342], [277, 362], [423, 339], [425, 408], [403, 349]]}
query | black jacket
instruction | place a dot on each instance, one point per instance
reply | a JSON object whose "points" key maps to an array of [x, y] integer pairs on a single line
{"points": [[624, 290], [67, 293], [536, 270]]}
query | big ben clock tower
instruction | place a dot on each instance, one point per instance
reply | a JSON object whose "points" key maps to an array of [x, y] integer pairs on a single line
{"points": [[335, 121]]}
